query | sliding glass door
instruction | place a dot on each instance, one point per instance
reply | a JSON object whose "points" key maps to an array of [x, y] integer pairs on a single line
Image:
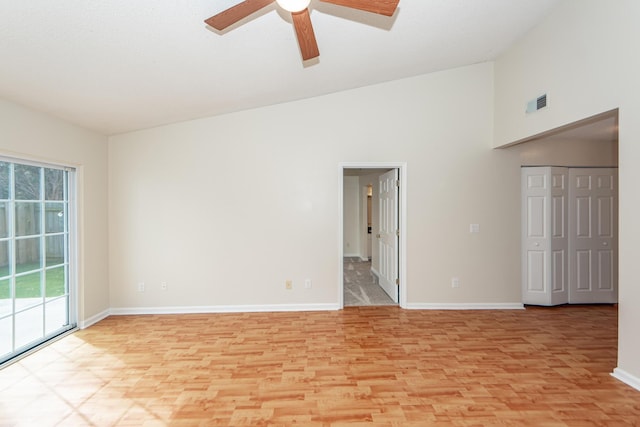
{"points": [[36, 293]]}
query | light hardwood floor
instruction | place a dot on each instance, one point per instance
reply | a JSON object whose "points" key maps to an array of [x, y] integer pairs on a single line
{"points": [[373, 366]]}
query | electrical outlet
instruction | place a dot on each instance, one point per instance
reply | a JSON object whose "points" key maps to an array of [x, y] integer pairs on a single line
{"points": [[141, 287], [307, 284], [163, 286], [455, 282], [288, 284]]}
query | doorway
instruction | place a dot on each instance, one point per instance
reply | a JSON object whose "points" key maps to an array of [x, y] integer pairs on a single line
{"points": [[586, 147], [372, 218]]}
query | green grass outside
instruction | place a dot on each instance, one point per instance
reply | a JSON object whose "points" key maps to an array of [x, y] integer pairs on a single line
{"points": [[28, 286]]}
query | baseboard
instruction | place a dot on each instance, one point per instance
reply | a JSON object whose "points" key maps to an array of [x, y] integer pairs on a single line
{"points": [[351, 255], [627, 378], [120, 311], [93, 319], [223, 309], [466, 306], [376, 275]]}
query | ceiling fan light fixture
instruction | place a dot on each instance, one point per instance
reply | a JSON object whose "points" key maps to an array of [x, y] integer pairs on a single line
{"points": [[293, 6]]}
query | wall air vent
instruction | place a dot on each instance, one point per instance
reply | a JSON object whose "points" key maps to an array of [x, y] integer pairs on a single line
{"points": [[537, 104]]}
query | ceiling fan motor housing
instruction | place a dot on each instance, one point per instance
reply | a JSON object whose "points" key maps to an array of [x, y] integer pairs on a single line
{"points": [[293, 6]]}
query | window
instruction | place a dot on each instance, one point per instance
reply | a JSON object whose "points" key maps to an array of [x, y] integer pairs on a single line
{"points": [[36, 293]]}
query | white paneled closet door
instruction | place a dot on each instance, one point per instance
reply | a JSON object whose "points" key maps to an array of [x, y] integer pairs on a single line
{"points": [[569, 235], [544, 235], [593, 218]]}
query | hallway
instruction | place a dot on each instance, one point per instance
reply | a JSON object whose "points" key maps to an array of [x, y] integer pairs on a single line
{"points": [[360, 285]]}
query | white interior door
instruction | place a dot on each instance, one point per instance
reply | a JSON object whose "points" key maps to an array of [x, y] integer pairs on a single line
{"points": [[388, 231], [593, 238], [544, 236]]}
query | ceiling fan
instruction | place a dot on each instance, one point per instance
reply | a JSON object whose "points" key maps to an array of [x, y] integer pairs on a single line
{"points": [[299, 10]]}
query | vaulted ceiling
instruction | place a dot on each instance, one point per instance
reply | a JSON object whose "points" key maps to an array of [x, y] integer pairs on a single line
{"points": [[121, 65]]}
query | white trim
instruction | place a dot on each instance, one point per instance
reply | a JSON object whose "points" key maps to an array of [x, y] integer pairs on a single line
{"points": [[340, 239], [364, 258], [402, 272], [626, 377], [73, 248], [223, 309], [467, 306], [94, 319], [375, 273], [32, 161], [352, 255]]}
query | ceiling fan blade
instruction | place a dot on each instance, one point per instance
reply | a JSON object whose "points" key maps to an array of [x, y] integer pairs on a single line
{"points": [[382, 7], [306, 36], [236, 13]]}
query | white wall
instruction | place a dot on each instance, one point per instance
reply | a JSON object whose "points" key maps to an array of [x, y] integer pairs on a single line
{"points": [[184, 198], [582, 56], [351, 224], [31, 135], [585, 57]]}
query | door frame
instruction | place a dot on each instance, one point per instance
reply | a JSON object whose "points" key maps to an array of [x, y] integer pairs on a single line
{"points": [[402, 219]]}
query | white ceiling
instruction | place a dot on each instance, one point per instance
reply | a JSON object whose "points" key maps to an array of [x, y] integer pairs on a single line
{"points": [[120, 65]]}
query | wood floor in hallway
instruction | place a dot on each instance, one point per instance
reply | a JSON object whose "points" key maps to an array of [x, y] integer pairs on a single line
{"points": [[373, 366]]}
